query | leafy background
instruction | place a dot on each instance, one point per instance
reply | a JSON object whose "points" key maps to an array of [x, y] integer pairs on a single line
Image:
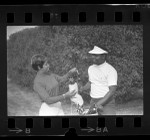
{"points": [[67, 47]]}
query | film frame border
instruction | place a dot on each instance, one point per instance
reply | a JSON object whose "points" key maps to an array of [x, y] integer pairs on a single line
{"points": [[141, 16]]}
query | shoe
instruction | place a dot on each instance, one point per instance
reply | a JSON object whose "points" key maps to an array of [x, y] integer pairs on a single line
{"points": [[92, 111], [80, 109]]}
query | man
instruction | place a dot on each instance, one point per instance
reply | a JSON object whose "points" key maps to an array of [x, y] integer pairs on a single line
{"points": [[102, 83]]}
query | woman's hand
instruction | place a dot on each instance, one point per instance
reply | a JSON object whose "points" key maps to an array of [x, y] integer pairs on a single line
{"points": [[73, 70], [70, 94]]}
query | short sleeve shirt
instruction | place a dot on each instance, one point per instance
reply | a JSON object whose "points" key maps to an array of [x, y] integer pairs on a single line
{"points": [[48, 83], [101, 77]]}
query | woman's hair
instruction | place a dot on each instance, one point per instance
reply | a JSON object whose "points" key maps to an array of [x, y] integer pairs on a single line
{"points": [[37, 61]]}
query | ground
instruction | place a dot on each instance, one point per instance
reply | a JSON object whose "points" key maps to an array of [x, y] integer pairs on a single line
{"points": [[22, 102]]}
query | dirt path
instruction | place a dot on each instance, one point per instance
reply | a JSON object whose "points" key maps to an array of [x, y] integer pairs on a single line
{"points": [[25, 103], [22, 103]]}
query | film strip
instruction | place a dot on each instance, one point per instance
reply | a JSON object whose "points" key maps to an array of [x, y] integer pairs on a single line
{"points": [[74, 15]]}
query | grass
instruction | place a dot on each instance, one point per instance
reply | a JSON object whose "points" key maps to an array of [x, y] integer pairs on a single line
{"points": [[134, 107], [21, 102]]}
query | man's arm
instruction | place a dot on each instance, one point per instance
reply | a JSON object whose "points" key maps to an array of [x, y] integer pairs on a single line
{"points": [[108, 96], [112, 82], [86, 87]]}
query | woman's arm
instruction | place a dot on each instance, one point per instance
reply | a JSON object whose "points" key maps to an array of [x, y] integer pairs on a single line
{"points": [[50, 100], [45, 96], [65, 77]]}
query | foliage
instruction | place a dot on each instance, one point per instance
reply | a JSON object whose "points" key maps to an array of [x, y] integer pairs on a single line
{"points": [[68, 46]]}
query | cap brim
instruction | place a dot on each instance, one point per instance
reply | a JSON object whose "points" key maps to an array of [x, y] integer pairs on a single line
{"points": [[90, 52]]}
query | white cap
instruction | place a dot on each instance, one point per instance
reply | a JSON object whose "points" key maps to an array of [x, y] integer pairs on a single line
{"points": [[97, 50]]}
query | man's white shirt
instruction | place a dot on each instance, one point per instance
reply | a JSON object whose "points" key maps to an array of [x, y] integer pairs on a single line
{"points": [[101, 77]]}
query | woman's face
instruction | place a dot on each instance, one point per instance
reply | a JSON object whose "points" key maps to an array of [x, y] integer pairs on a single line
{"points": [[46, 66]]}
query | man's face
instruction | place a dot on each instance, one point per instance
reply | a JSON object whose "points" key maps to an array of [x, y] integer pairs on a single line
{"points": [[97, 58]]}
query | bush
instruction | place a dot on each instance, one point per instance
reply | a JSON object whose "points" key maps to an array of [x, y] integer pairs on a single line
{"points": [[68, 46]]}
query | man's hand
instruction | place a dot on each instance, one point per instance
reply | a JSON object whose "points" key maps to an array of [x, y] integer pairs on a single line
{"points": [[108, 96], [97, 105]]}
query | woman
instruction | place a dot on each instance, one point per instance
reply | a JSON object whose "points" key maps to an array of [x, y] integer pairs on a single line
{"points": [[46, 84]]}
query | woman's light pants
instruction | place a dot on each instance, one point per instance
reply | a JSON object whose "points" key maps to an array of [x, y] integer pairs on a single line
{"points": [[51, 109]]}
